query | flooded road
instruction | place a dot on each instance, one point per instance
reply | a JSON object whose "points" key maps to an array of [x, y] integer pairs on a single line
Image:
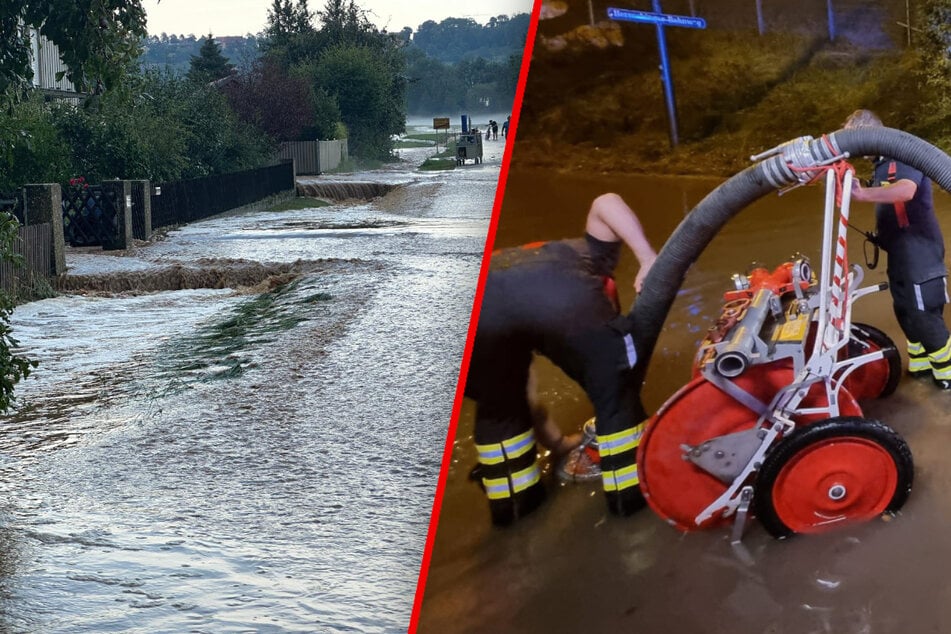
{"points": [[570, 567], [244, 459]]}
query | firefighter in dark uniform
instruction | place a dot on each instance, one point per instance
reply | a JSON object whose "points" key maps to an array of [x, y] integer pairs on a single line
{"points": [[550, 298], [908, 231]]}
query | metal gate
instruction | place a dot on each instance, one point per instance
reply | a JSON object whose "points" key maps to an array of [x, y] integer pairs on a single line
{"points": [[89, 216], [12, 203]]}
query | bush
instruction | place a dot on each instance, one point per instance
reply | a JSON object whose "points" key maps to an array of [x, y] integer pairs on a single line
{"points": [[33, 150], [369, 95], [167, 129]]}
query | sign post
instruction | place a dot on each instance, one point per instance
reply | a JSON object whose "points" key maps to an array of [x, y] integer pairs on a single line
{"points": [[662, 20], [441, 123], [830, 11]]}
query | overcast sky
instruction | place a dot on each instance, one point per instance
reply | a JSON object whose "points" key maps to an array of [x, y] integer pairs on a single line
{"points": [[237, 17]]}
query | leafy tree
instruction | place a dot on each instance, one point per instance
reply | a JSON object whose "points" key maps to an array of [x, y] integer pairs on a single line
{"points": [[370, 99], [284, 18], [327, 124], [290, 37], [241, 51], [434, 87], [282, 104], [451, 38], [455, 39], [97, 39], [32, 147], [346, 23], [472, 85], [936, 48], [459, 65], [357, 73], [168, 129], [209, 64]]}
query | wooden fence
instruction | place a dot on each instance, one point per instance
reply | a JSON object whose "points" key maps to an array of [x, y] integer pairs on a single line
{"points": [[34, 246]]}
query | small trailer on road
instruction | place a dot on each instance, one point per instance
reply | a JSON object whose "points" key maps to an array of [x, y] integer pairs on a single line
{"points": [[468, 143], [469, 146]]}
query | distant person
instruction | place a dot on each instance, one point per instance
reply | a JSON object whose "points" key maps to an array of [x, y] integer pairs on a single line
{"points": [[908, 231], [488, 130], [557, 299], [505, 127], [495, 130]]}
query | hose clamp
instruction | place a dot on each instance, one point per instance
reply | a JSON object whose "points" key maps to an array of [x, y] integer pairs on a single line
{"points": [[798, 161]]}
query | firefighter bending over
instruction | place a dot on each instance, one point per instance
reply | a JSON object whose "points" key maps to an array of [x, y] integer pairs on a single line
{"points": [[557, 299]]}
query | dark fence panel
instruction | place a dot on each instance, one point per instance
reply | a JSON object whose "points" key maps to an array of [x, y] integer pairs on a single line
{"points": [[12, 202], [141, 220], [89, 216], [186, 201], [34, 246]]}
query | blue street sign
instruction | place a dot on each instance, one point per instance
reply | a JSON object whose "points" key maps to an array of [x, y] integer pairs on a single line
{"points": [[663, 19]]}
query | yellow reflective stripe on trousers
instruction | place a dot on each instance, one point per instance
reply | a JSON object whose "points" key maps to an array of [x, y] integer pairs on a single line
{"points": [[507, 449], [917, 358], [525, 478], [620, 479], [496, 488], [942, 374], [626, 440], [499, 488], [941, 356]]}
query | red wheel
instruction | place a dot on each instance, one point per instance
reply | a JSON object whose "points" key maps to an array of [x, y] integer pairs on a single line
{"points": [[835, 472], [676, 489], [878, 378]]}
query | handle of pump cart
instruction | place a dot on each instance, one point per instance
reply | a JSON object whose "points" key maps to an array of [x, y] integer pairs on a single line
{"points": [[871, 239], [871, 260]]}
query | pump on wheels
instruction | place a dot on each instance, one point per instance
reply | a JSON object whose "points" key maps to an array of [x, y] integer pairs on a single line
{"points": [[770, 425], [469, 147]]}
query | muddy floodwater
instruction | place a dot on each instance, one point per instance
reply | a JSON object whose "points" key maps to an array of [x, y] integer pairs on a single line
{"points": [[571, 567], [247, 454]]}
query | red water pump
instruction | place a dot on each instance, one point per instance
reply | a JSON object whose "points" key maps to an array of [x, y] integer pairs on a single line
{"points": [[770, 425]]}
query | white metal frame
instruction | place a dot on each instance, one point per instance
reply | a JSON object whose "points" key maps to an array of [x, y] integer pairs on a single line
{"points": [[839, 288]]}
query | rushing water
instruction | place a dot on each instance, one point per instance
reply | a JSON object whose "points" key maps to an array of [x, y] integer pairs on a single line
{"points": [[572, 568], [223, 460]]}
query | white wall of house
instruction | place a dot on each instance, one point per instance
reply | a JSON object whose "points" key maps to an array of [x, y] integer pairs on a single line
{"points": [[46, 65]]}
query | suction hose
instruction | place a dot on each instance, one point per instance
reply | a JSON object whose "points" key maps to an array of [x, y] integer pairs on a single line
{"points": [[692, 236]]}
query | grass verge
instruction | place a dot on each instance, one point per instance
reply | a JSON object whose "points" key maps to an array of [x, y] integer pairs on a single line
{"points": [[435, 164], [301, 202]]}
